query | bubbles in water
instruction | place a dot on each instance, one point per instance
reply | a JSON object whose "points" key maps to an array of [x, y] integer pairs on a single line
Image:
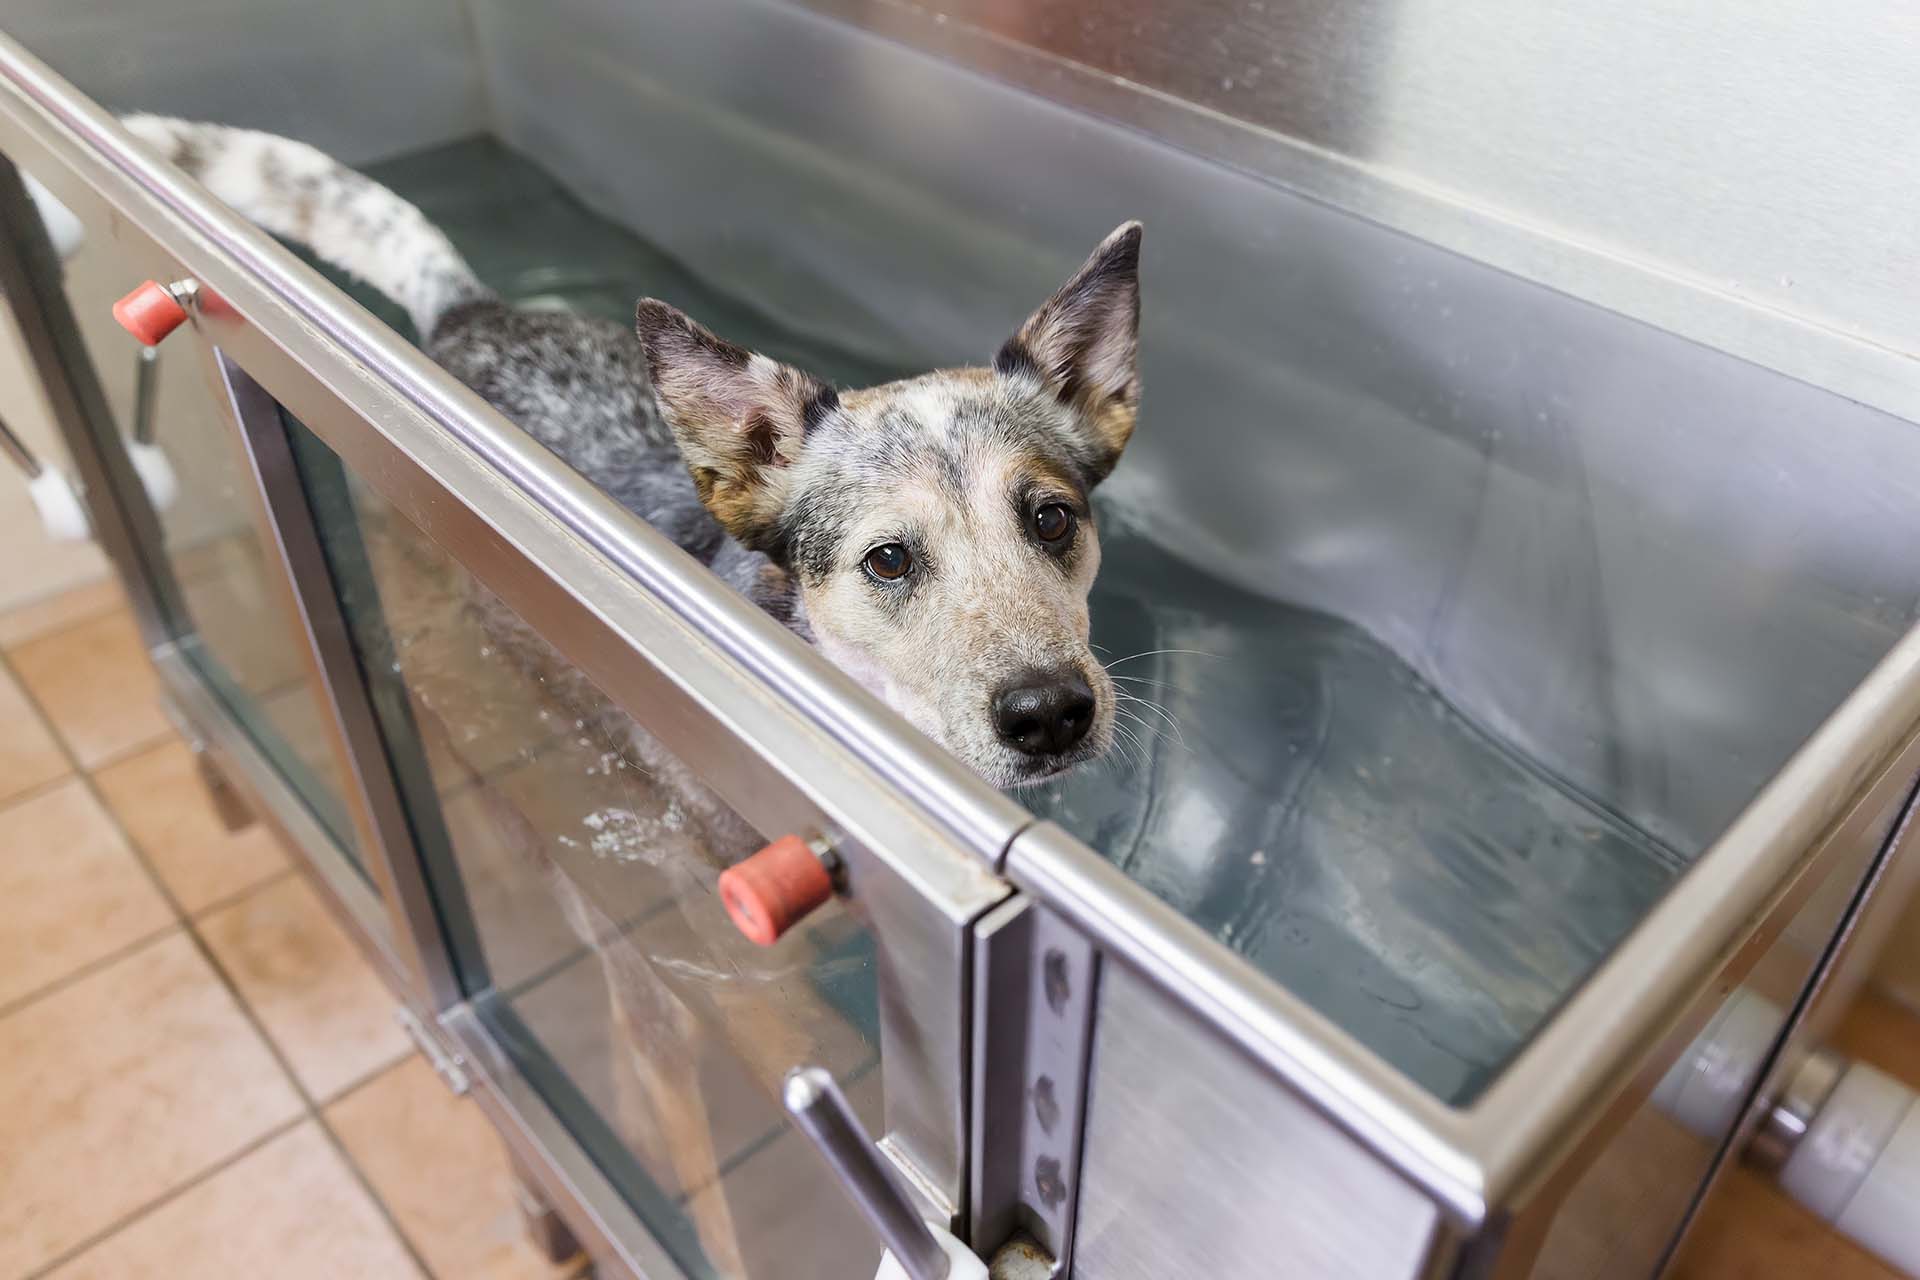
{"points": [[619, 834]]}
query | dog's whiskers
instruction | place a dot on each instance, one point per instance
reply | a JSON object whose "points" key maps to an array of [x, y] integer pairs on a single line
{"points": [[1151, 653], [1143, 733], [1128, 700], [1133, 749]]}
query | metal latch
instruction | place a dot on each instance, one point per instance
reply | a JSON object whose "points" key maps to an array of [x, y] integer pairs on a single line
{"points": [[449, 1064]]}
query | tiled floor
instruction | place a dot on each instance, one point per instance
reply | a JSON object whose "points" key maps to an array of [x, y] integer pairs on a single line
{"points": [[199, 1075]]}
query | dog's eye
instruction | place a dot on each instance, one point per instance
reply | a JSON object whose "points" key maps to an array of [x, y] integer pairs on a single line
{"points": [[1053, 522], [889, 561]]}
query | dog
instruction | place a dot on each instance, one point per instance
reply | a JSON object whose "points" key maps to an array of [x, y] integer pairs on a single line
{"points": [[933, 537]]}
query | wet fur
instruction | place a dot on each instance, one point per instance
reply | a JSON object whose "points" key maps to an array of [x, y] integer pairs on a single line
{"points": [[767, 475]]}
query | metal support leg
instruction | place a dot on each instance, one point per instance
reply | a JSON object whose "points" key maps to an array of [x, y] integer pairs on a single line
{"points": [[548, 1233], [235, 813]]}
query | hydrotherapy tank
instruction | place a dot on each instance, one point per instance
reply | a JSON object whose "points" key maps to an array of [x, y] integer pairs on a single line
{"points": [[1480, 589]]}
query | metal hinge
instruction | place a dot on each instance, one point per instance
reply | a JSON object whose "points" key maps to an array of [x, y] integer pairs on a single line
{"points": [[1034, 979], [447, 1063]]}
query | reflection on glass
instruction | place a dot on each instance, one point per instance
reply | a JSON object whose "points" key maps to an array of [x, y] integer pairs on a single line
{"points": [[238, 629], [571, 864], [1627, 1206]]}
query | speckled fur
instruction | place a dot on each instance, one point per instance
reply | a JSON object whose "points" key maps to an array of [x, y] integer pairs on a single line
{"points": [[303, 194], [766, 474]]}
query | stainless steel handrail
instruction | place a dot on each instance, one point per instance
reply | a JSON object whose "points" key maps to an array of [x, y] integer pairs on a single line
{"points": [[974, 813]]}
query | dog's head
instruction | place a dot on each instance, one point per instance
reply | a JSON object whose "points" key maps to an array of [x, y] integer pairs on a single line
{"points": [[938, 529]]}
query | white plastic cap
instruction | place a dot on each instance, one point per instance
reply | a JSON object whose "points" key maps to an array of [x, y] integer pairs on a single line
{"points": [[155, 472], [62, 513], [1859, 1165], [1707, 1087], [967, 1264]]}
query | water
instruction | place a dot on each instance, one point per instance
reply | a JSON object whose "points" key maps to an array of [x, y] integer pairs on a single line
{"points": [[1299, 792], [1305, 797]]}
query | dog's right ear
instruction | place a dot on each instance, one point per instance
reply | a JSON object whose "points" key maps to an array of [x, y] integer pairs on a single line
{"points": [[1083, 345], [740, 418]]}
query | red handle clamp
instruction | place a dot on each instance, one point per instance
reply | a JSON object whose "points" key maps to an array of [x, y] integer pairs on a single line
{"points": [[150, 313], [769, 892]]}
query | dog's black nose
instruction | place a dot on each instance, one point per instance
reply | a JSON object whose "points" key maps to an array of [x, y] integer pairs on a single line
{"points": [[1043, 713]]}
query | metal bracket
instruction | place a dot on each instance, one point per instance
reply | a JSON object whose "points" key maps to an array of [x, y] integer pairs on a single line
{"points": [[447, 1063], [1034, 984]]}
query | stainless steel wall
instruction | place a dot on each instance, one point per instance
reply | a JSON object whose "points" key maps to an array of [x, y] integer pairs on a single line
{"points": [[1759, 149], [1652, 566], [1243, 1179], [359, 78]]}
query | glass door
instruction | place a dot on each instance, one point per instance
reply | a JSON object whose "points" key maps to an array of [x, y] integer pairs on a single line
{"points": [[572, 863], [215, 589]]}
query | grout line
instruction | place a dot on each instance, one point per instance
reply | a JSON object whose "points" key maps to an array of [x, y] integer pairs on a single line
{"points": [[11, 673], [234, 899], [364, 1078], [359, 1176], [166, 1197], [348, 1090], [189, 924], [120, 755], [87, 969], [225, 979], [61, 628], [36, 791]]}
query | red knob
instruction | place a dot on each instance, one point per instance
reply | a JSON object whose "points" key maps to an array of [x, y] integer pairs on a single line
{"points": [[149, 313], [769, 892]]}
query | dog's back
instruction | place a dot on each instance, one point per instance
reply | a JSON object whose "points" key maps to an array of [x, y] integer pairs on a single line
{"points": [[576, 384]]}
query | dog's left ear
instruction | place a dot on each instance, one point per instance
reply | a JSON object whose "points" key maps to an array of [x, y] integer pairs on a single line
{"points": [[740, 419], [1082, 344]]}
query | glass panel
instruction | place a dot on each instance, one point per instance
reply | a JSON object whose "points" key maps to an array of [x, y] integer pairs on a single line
{"points": [[574, 865], [1623, 1212], [235, 623]]}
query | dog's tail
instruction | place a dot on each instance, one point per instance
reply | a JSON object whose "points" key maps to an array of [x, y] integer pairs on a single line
{"points": [[302, 194]]}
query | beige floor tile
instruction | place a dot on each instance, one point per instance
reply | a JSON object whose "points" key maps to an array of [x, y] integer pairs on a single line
{"points": [[119, 1087], [441, 1170], [307, 984], [95, 684], [29, 756], [74, 892], [51, 613], [291, 1210], [165, 807]]}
